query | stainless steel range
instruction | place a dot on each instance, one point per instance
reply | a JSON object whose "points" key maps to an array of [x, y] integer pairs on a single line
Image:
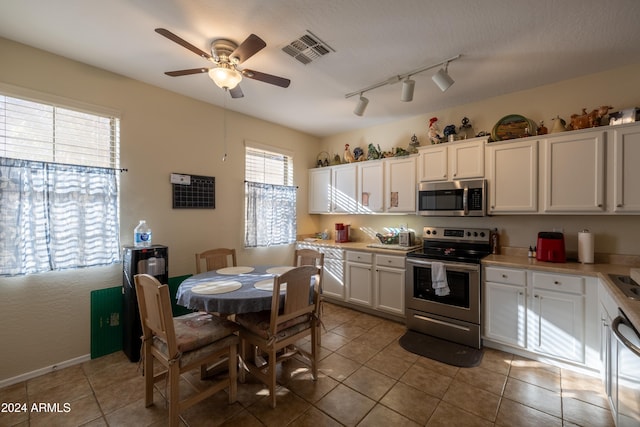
{"points": [[451, 312]]}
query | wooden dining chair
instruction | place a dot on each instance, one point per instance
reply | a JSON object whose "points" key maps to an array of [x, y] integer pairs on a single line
{"points": [[281, 327], [316, 258], [215, 259], [182, 344]]}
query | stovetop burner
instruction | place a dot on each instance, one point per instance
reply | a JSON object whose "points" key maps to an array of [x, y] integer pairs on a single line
{"points": [[454, 244]]}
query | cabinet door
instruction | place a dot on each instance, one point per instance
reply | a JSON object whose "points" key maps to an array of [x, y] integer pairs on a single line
{"points": [[371, 187], [467, 160], [344, 189], [505, 318], [359, 283], [320, 190], [333, 279], [574, 173], [432, 163], [626, 154], [557, 325], [390, 289], [513, 177], [400, 188]]}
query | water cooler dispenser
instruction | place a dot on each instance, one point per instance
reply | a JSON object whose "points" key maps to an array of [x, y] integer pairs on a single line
{"points": [[153, 260]]}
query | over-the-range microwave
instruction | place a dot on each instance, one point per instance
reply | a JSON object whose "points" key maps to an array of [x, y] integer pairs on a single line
{"points": [[454, 198]]}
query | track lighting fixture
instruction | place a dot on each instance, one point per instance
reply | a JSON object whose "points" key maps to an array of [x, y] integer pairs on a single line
{"points": [[407, 90], [361, 105], [441, 78]]}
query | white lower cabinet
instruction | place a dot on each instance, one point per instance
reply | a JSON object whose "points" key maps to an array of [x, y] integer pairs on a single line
{"points": [[359, 278], [543, 313], [389, 284]]}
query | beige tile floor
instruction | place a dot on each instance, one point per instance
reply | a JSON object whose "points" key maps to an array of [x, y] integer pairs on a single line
{"points": [[366, 379]]}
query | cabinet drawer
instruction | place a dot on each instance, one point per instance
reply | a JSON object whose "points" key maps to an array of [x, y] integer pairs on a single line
{"points": [[365, 257], [505, 275], [556, 282], [390, 261]]}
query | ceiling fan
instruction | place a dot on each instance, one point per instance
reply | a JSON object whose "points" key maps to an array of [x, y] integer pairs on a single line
{"points": [[227, 55]]}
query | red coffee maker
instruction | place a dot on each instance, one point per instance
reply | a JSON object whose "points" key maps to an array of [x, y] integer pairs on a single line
{"points": [[342, 233], [550, 247]]}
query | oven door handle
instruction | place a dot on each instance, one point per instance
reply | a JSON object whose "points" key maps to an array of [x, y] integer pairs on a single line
{"points": [[449, 267], [624, 340]]}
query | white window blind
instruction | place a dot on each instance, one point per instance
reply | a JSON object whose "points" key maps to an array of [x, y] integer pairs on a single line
{"points": [[59, 203], [270, 198]]}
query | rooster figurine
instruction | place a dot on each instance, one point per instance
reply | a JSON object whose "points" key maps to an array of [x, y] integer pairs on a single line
{"points": [[348, 157]]}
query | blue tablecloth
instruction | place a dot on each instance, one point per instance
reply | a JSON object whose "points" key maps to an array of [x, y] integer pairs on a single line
{"points": [[244, 300]]}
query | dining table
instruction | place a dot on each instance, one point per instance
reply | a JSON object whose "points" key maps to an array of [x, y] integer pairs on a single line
{"points": [[232, 290]]}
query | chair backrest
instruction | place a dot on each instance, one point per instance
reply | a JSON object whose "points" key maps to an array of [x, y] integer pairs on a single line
{"points": [[156, 317], [215, 259], [308, 257], [296, 300]]}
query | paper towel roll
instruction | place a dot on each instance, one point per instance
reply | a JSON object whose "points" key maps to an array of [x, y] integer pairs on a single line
{"points": [[585, 247]]}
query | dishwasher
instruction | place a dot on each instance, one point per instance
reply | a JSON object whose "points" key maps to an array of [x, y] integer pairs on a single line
{"points": [[625, 375]]}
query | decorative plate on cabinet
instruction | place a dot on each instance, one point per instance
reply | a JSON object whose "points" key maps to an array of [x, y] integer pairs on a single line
{"points": [[511, 127]]}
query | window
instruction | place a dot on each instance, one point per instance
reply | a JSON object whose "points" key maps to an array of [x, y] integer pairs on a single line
{"points": [[59, 204], [270, 197]]}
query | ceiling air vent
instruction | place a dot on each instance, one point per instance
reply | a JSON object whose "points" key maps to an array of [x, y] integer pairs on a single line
{"points": [[307, 48]]}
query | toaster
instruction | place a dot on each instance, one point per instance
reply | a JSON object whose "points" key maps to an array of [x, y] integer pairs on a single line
{"points": [[551, 247], [406, 238]]}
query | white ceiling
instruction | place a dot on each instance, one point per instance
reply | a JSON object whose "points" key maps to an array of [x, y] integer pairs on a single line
{"points": [[506, 46]]}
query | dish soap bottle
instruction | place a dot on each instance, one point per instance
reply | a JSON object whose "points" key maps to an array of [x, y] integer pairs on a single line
{"points": [[142, 235]]}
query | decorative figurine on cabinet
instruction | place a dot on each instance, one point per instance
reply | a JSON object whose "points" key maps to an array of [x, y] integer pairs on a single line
{"points": [[358, 154], [542, 129], [372, 153], [434, 131], [465, 130], [413, 145], [450, 133], [348, 157]]}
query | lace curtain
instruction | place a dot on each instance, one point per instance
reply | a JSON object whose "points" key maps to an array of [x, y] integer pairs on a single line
{"points": [[55, 216], [270, 214]]}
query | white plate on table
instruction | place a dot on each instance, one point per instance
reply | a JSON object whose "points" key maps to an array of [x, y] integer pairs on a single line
{"points": [[279, 270], [267, 285], [235, 270], [219, 287]]}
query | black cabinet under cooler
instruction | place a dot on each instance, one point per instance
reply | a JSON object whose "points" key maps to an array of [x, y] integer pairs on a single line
{"points": [[153, 260]]}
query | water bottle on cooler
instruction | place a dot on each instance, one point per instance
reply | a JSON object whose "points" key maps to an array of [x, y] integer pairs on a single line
{"points": [[142, 235]]}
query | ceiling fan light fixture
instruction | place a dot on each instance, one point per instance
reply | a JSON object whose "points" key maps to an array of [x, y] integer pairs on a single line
{"points": [[408, 86], [442, 78], [361, 106], [225, 76]]}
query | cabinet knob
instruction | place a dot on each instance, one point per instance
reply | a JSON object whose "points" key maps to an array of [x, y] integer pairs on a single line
{"points": [[555, 282], [519, 293], [599, 205], [619, 205], [504, 276]]}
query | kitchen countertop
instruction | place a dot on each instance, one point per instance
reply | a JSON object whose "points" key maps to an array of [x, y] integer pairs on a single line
{"points": [[358, 246], [630, 307]]}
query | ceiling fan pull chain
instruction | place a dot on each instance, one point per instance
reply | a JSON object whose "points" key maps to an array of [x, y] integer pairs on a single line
{"points": [[224, 126]]}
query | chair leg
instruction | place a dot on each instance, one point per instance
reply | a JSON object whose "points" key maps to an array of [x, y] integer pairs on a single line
{"points": [[147, 366], [272, 371], [315, 338], [233, 373], [243, 359], [174, 397]]}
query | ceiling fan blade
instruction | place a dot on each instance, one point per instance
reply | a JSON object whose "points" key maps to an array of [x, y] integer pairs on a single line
{"points": [[179, 73], [267, 78], [168, 34], [252, 45], [236, 92]]}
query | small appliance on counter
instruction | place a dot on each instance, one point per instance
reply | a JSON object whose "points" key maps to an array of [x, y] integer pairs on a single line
{"points": [[551, 247], [342, 233], [406, 238]]}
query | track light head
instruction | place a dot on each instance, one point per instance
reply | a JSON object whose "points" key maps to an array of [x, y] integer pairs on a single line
{"points": [[361, 106], [407, 90], [442, 78]]}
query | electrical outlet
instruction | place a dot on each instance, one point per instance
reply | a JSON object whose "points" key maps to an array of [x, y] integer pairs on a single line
{"points": [[177, 178], [558, 229]]}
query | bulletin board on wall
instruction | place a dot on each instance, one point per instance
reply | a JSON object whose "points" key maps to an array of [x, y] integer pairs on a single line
{"points": [[193, 191]]}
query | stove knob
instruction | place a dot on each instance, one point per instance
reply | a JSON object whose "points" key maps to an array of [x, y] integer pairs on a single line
{"points": [[428, 232], [435, 232], [475, 234], [482, 234], [468, 233]]}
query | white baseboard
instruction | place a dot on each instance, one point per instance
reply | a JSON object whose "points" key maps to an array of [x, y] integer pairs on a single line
{"points": [[47, 369]]}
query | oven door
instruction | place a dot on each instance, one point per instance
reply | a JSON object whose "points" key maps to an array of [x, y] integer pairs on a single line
{"points": [[462, 303]]}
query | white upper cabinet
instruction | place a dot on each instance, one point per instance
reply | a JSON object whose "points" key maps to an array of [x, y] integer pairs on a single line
{"points": [[451, 161], [344, 193], [626, 169], [400, 184], [370, 187], [574, 176], [320, 190], [513, 177]]}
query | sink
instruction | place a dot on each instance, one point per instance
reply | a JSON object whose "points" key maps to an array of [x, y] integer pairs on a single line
{"points": [[627, 285]]}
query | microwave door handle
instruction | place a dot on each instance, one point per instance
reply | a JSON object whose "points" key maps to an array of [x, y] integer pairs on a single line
{"points": [[465, 195]]}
